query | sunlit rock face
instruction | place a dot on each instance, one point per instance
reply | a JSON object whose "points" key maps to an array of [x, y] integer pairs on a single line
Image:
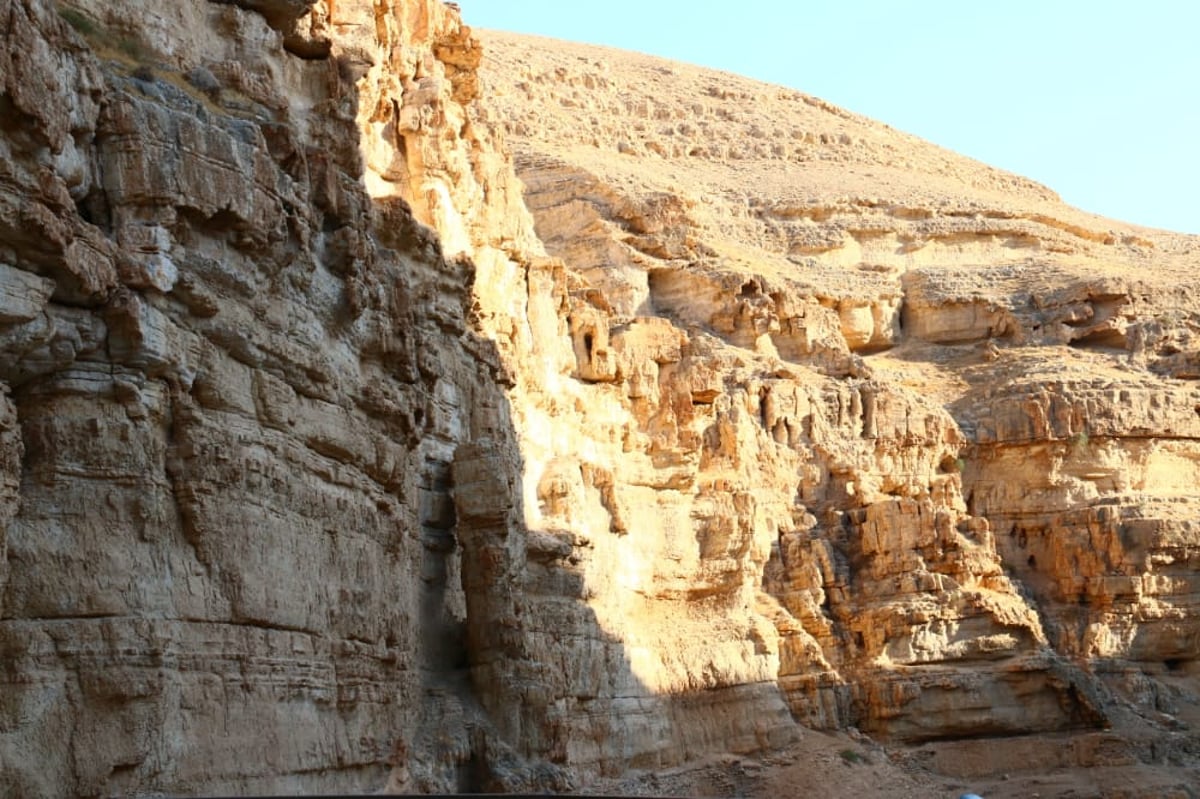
{"points": [[335, 457], [937, 428]]}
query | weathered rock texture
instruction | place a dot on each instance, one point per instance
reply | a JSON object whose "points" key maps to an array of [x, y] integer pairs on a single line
{"points": [[235, 369], [934, 428], [326, 465]]}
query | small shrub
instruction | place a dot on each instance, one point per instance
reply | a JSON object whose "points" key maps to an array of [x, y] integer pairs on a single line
{"points": [[852, 757], [952, 465], [82, 24], [1079, 440], [133, 49]]}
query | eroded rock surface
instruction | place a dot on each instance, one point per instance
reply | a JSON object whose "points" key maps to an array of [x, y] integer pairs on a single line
{"points": [[956, 416], [333, 458], [234, 373]]}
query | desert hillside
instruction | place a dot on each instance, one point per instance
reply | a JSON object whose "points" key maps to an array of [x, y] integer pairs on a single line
{"points": [[386, 405], [976, 405]]}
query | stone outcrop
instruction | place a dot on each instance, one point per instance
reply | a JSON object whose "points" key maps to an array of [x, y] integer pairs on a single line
{"points": [[956, 413], [235, 370], [335, 457]]}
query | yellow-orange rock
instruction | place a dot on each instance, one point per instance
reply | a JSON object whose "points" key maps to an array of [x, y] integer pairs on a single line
{"points": [[341, 449]]}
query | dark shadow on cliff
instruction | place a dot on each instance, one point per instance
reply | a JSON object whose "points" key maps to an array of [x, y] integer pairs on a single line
{"points": [[523, 688], [231, 392]]}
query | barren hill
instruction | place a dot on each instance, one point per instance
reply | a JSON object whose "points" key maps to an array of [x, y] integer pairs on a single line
{"points": [[1008, 509]]}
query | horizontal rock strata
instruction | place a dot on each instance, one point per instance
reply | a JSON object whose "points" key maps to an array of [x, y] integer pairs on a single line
{"points": [[335, 457], [959, 413]]}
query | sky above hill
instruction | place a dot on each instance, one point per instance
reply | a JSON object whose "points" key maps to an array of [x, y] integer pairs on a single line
{"points": [[1097, 99]]}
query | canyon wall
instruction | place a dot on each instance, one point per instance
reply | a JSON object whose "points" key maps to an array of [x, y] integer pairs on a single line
{"points": [[333, 457], [943, 427], [237, 364]]}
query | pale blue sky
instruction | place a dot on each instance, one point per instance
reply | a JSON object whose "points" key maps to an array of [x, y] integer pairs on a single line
{"points": [[1098, 100]]}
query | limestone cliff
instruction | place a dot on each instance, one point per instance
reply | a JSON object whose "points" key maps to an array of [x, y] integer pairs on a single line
{"points": [[236, 366], [922, 433], [332, 458]]}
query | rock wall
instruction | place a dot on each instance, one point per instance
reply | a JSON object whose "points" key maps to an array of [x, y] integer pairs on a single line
{"points": [[236, 365], [939, 425], [332, 458]]}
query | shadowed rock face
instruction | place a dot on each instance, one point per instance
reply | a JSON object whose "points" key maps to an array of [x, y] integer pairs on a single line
{"points": [[233, 384], [329, 460]]}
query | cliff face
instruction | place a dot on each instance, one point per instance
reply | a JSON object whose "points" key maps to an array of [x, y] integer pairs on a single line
{"points": [[236, 367], [317, 472], [924, 435]]}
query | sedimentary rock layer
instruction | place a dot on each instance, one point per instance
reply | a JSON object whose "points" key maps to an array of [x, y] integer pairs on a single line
{"points": [[959, 415], [332, 457], [235, 369]]}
